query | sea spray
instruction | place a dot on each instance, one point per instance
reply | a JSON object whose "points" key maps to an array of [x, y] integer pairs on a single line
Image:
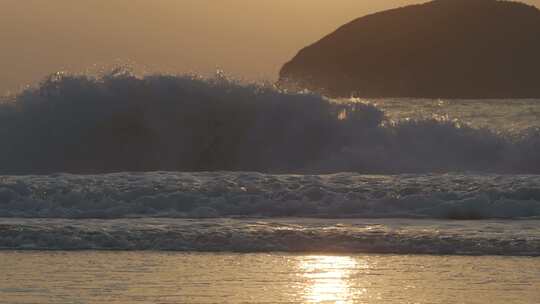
{"points": [[121, 122]]}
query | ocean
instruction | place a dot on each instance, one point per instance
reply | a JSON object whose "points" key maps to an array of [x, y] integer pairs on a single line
{"points": [[172, 277], [410, 201]]}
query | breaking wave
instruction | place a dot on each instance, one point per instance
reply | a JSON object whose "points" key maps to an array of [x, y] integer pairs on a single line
{"points": [[244, 194], [120, 122]]}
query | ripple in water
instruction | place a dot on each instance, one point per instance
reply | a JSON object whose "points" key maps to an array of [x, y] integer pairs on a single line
{"points": [[153, 277]]}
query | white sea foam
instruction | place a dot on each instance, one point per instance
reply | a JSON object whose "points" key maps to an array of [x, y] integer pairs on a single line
{"points": [[227, 194]]}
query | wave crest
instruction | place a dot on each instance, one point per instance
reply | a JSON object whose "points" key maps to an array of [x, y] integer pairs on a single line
{"points": [[120, 122]]}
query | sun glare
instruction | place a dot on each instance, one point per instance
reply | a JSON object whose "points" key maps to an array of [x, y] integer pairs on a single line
{"points": [[328, 279]]}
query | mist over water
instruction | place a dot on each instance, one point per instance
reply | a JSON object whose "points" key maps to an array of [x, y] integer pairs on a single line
{"points": [[121, 122]]}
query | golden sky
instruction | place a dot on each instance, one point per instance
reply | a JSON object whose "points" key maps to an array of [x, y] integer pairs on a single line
{"points": [[246, 38]]}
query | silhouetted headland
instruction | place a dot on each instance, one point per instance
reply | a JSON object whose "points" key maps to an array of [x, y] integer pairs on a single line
{"points": [[440, 49]]}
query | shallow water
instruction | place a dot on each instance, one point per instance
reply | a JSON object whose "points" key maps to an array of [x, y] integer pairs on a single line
{"points": [[155, 277]]}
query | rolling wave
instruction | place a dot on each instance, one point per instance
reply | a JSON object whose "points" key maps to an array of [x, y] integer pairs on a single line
{"points": [[511, 238]]}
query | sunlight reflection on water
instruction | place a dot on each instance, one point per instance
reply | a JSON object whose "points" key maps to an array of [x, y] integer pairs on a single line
{"points": [[204, 278], [329, 279]]}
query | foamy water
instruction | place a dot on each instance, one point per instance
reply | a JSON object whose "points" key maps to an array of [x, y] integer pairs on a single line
{"points": [[465, 214], [155, 277], [501, 115], [225, 194], [474, 193], [348, 236]]}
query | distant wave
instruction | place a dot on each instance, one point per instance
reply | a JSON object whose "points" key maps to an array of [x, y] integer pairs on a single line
{"points": [[510, 238], [120, 122], [244, 194]]}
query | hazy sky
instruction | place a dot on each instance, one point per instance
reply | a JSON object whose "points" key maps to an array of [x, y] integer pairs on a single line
{"points": [[246, 38]]}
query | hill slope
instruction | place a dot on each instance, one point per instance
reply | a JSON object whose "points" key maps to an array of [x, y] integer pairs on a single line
{"points": [[444, 48]]}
